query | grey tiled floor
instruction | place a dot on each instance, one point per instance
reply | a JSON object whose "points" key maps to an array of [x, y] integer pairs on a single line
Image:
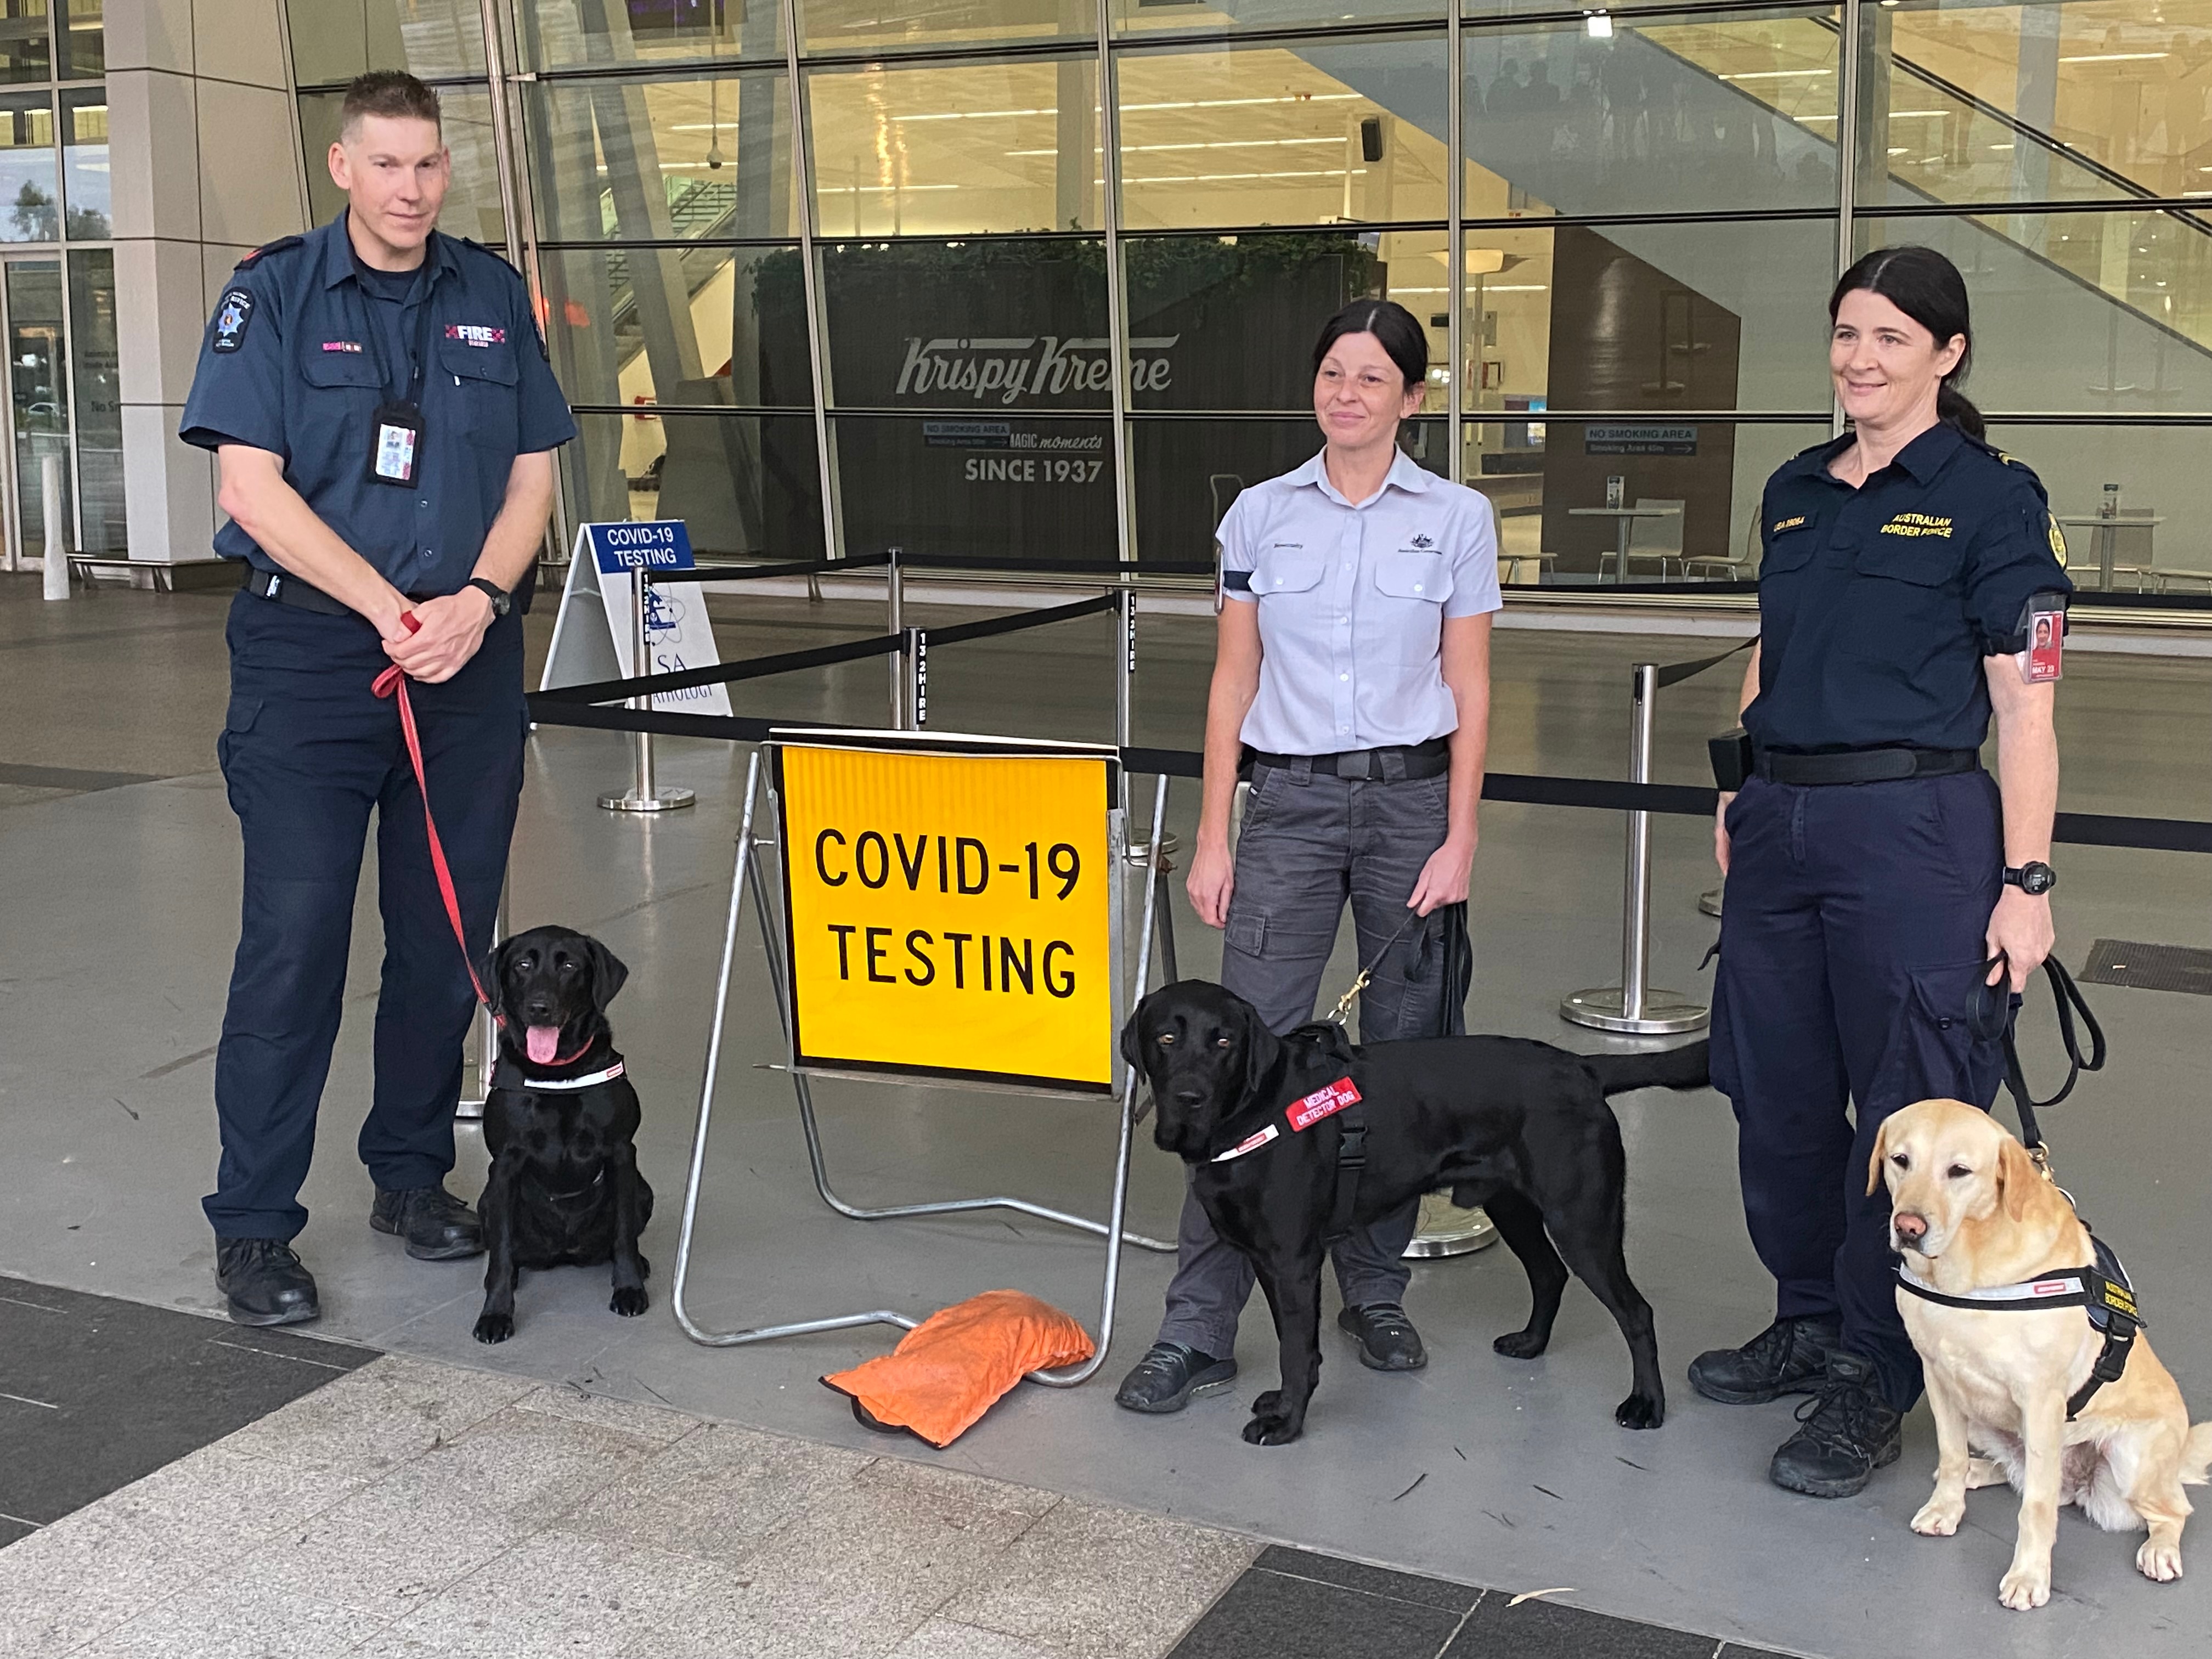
{"points": [[417, 1510]]}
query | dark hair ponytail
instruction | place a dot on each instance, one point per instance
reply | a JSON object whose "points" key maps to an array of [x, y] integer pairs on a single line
{"points": [[1927, 287], [1395, 328]]}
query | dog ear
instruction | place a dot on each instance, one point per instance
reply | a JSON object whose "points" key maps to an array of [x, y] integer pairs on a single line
{"points": [[493, 972], [1873, 1163], [1262, 1048], [2018, 1179], [1129, 1048], [608, 975]]}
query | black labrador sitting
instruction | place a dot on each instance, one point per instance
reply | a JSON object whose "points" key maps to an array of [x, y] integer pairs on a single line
{"points": [[1517, 1126], [560, 1123]]}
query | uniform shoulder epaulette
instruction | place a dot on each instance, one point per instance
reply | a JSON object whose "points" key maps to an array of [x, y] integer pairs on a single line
{"points": [[1997, 454], [471, 242], [266, 249]]}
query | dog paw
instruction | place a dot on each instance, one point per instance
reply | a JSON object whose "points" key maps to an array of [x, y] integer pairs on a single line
{"points": [[1983, 1472], [1269, 1404], [2025, 1588], [2160, 1562], [1641, 1411], [494, 1327], [1521, 1344], [630, 1302], [1939, 1517], [1274, 1430]]}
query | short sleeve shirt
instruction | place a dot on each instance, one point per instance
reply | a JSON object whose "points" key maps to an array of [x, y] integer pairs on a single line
{"points": [[1878, 606], [294, 362], [1352, 602]]}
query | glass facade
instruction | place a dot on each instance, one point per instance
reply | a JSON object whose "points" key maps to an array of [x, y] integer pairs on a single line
{"points": [[1623, 272], [63, 411]]}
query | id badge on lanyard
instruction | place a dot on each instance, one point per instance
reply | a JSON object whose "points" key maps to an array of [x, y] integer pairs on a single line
{"points": [[2043, 660], [395, 445]]}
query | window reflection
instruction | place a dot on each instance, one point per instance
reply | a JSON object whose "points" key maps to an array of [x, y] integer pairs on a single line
{"points": [[30, 210], [26, 48], [628, 160], [953, 150], [86, 184]]}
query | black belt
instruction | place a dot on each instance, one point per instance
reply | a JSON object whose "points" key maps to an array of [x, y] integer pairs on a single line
{"points": [[1432, 759], [1867, 765], [286, 589]]}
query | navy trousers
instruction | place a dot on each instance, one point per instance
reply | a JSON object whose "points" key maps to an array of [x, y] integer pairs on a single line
{"points": [[1852, 939], [308, 753]]}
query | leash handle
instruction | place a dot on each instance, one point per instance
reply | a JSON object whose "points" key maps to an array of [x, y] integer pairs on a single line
{"points": [[392, 683], [2067, 997]]}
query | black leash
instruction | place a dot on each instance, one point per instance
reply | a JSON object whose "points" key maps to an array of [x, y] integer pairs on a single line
{"points": [[1994, 1015], [1365, 976]]}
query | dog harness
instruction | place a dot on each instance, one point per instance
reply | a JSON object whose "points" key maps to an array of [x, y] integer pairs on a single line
{"points": [[1339, 1097], [506, 1075], [2102, 1288]]}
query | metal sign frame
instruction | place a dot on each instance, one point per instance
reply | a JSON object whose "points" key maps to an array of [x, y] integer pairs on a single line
{"points": [[750, 867]]}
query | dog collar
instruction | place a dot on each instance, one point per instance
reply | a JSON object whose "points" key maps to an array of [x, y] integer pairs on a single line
{"points": [[560, 1086], [1302, 1114], [2103, 1289]]}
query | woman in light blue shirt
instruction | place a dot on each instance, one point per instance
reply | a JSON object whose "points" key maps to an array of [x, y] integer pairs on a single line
{"points": [[1351, 685]]}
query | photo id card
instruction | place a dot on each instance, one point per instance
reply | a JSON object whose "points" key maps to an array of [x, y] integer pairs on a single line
{"points": [[395, 446], [2043, 660]]}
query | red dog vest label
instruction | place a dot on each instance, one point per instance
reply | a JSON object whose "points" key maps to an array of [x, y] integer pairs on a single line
{"points": [[1322, 1102]]}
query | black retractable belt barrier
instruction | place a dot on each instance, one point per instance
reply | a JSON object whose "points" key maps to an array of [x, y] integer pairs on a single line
{"points": [[683, 679], [746, 573]]}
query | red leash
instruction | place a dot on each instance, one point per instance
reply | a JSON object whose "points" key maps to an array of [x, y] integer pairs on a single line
{"points": [[392, 683]]}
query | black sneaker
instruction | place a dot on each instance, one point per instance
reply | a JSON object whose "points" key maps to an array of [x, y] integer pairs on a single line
{"points": [[1850, 1432], [1387, 1339], [265, 1282], [1169, 1375], [1790, 1356], [437, 1226]]}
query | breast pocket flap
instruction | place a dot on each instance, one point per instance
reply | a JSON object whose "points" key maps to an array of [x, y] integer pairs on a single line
{"points": [[336, 368], [1287, 570], [1409, 573], [1923, 560], [494, 362]]}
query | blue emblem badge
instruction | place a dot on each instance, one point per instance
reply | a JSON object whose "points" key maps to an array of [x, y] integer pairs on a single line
{"points": [[1423, 541], [231, 317]]}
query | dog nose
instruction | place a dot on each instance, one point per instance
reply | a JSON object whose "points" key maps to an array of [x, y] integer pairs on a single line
{"points": [[1908, 1226]]}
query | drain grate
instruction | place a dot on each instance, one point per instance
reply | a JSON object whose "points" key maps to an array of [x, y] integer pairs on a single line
{"points": [[2150, 967]]}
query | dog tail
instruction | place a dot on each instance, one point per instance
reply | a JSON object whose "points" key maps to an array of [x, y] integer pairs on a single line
{"points": [[1685, 1067], [2196, 1454]]}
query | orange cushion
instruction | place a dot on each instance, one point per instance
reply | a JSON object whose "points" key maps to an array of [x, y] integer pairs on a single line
{"points": [[948, 1370]]}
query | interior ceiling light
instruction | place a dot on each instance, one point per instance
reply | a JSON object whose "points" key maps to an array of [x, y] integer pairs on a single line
{"points": [[1219, 143], [1598, 26], [2116, 57], [1481, 261], [1774, 75]]}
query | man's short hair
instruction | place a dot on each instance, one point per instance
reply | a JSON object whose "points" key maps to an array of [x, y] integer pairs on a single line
{"points": [[391, 93]]}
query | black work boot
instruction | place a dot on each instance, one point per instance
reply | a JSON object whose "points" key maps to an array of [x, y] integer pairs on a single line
{"points": [[1169, 1375], [437, 1226], [1387, 1339], [1850, 1432], [265, 1282], [1790, 1356]]}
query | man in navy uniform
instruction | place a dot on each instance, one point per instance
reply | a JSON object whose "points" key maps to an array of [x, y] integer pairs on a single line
{"points": [[379, 398]]}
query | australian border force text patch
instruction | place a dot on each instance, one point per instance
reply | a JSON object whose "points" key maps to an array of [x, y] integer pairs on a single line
{"points": [[231, 317]]}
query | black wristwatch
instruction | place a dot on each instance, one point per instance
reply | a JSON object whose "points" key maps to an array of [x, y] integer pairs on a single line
{"points": [[500, 602], [2032, 878]]}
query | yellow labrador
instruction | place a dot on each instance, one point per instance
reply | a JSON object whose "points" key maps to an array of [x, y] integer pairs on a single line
{"points": [[1970, 1211]]}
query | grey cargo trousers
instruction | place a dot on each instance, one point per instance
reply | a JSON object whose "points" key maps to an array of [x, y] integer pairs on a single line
{"points": [[1310, 842]]}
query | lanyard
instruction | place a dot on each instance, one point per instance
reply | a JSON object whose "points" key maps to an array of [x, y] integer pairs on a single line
{"points": [[419, 364]]}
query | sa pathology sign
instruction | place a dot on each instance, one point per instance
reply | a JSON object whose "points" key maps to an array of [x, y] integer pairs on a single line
{"points": [[678, 634]]}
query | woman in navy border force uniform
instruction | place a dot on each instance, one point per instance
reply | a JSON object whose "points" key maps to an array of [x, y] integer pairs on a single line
{"points": [[1875, 871]]}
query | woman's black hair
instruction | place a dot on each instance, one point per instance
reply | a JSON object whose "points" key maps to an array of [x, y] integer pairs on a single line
{"points": [[1927, 287], [1401, 337]]}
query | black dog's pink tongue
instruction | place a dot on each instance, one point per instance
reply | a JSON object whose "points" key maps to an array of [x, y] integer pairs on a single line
{"points": [[543, 1042]]}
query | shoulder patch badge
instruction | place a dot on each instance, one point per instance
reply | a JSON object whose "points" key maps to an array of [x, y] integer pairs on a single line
{"points": [[231, 317], [2057, 539]]}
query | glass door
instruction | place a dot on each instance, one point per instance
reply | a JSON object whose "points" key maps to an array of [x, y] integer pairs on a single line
{"points": [[37, 412]]}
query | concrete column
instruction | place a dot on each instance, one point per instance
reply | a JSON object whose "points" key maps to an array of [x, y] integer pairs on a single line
{"points": [[204, 149]]}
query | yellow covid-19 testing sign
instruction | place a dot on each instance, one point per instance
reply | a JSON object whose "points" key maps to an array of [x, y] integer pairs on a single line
{"points": [[950, 912]]}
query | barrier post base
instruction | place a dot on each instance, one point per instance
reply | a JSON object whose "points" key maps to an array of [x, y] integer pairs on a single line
{"points": [[666, 799], [1665, 1013]]}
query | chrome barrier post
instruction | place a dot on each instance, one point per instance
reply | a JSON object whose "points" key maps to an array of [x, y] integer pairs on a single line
{"points": [[1634, 1007], [895, 595], [642, 796]]}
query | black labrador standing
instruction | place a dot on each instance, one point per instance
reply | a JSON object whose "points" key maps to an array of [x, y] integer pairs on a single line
{"points": [[560, 1123], [1517, 1126]]}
